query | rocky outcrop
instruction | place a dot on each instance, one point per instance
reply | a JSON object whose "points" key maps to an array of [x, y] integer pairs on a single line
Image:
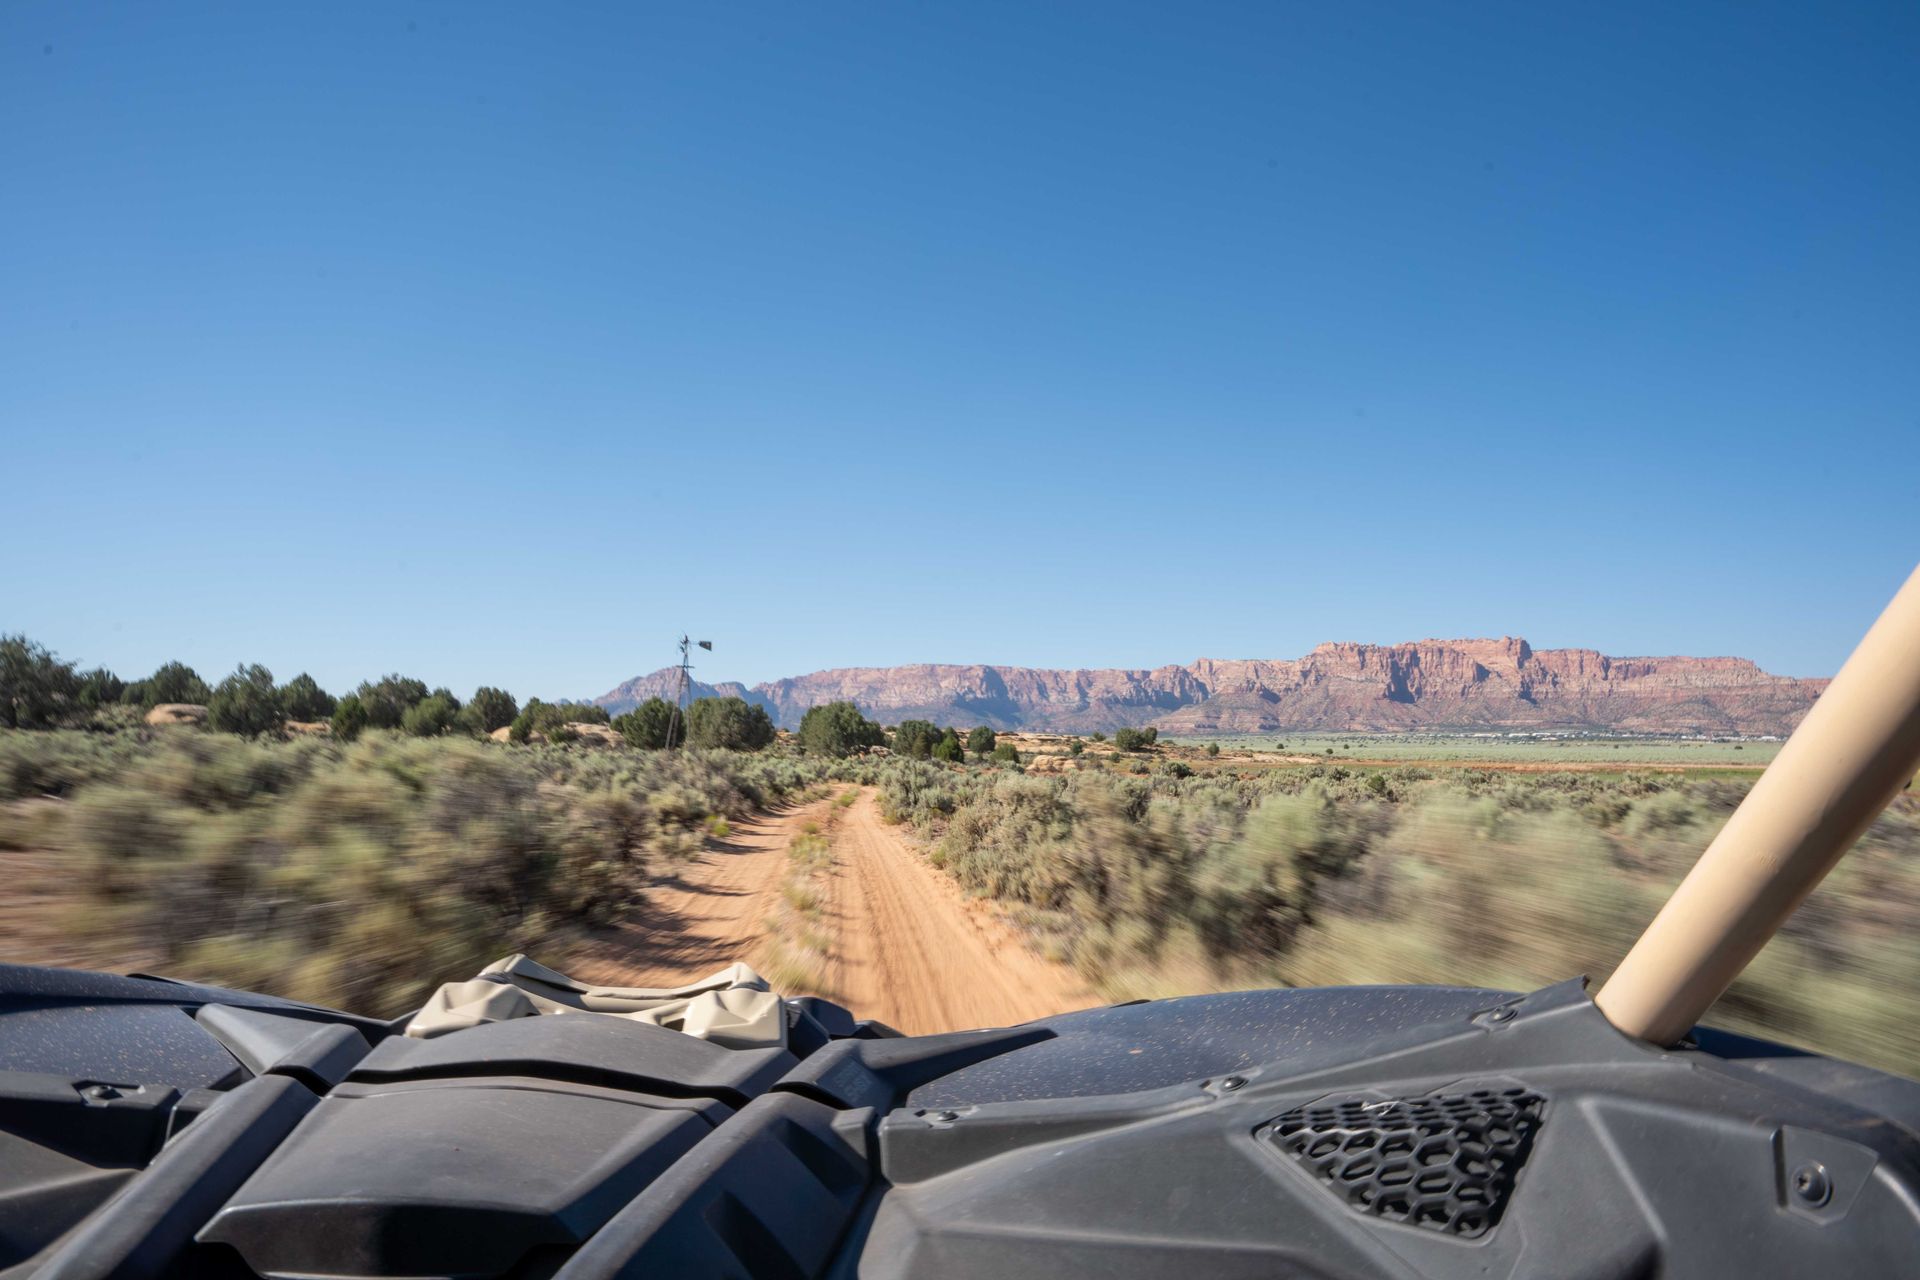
{"points": [[587, 733], [1431, 684], [167, 713]]}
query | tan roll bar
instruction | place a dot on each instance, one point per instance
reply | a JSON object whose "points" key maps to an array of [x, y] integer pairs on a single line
{"points": [[1856, 749]]}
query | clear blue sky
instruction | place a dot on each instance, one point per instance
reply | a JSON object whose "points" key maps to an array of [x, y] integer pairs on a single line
{"points": [[499, 343]]}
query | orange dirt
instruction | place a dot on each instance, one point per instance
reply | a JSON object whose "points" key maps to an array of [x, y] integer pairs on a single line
{"points": [[914, 952], [41, 906], [908, 948], [708, 914]]}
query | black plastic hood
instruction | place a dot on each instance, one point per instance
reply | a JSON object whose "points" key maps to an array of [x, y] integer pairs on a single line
{"points": [[165, 1129]]}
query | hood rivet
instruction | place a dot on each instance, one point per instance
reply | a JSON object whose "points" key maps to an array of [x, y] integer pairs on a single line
{"points": [[1811, 1185]]}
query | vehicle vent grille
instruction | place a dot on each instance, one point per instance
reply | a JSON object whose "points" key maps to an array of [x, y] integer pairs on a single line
{"points": [[1444, 1162]]}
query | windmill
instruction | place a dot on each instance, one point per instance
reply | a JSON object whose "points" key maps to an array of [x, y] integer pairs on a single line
{"points": [[683, 688]]}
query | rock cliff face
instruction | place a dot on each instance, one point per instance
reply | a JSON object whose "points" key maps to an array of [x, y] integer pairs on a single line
{"points": [[1432, 684], [1492, 684]]}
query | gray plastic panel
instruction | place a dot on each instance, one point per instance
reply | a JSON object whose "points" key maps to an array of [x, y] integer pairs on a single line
{"points": [[1642, 1163], [141, 1232], [586, 1048], [769, 1194], [116, 1044], [318, 1053], [877, 1073], [1149, 1044], [463, 1178], [37, 986]]}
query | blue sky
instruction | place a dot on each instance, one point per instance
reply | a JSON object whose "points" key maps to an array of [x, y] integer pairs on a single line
{"points": [[500, 343]]}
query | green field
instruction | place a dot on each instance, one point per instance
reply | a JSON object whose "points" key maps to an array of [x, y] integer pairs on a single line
{"points": [[1422, 748]]}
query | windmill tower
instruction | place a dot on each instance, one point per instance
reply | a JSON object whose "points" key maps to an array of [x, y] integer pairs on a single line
{"points": [[683, 690]]}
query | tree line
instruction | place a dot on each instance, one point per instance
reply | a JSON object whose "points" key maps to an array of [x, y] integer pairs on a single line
{"points": [[731, 724], [39, 691], [924, 740]]}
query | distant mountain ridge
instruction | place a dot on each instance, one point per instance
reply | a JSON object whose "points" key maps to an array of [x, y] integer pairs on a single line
{"points": [[1481, 684], [665, 683]]}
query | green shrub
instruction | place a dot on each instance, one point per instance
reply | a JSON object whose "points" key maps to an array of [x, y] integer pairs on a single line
{"points": [[430, 717], [57, 762], [915, 739], [948, 748], [915, 792], [1006, 753], [981, 742], [646, 726], [1132, 739], [489, 709], [101, 688], [172, 682], [302, 698], [246, 703], [387, 699], [838, 729], [349, 718], [728, 723], [550, 720], [37, 690]]}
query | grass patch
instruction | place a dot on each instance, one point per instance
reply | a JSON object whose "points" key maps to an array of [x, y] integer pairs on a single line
{"points": [[799, 947]]}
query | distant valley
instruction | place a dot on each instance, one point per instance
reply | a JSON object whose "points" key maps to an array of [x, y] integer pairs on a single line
{"points": [[1428, 685]]}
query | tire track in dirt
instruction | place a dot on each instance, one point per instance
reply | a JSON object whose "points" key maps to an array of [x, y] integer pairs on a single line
{"points": [[708, 914], [909, 948], [912, 951]]}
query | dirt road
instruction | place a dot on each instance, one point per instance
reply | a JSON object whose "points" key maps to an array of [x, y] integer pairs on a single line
{"points": [[907, 947]]}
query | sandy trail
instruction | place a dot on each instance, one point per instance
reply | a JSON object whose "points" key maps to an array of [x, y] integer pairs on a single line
{"points": [[908, 948], [914, 952], [710, 913]]}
